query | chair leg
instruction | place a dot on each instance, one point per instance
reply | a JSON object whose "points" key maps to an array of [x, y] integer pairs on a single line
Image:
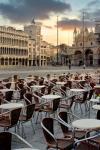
{"points": [[81, 109], [32, 126], [47, 147], [18, 127], [74, 106], [6, 129], [90, 106], [37, 117], [15, 129], [23, 132], [86, 107]]}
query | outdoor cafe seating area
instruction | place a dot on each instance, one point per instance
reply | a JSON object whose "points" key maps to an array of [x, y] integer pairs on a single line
{"points": [[63, 103]]}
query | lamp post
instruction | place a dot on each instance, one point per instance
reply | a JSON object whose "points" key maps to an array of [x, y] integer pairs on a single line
{"points": [[83, 40], [57, 40]]}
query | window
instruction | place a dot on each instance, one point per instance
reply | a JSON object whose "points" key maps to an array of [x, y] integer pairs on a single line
{"points": [[80, 44], [91, 43]]}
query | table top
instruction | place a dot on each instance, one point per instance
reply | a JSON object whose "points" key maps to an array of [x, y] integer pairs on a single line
{"points": [[77, 90], [6, 90], [97, 107], [26, 149], [31, 77], [37, 86], [76, 80], [95, 100], [9, 82], [97, 86], [60, 83], [51, 96], [11, 105], [86, 124]]}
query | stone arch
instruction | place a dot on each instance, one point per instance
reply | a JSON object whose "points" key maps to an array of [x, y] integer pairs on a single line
{"points": [[23, 61], [88, 57], [20, 61], [16, 61], [13, 61], [2, 61], [6, 61], [10, 61], [98, 52], [78, 57]]}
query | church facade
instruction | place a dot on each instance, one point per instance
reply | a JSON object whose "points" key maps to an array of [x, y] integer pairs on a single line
{"points": [[86, 47]]}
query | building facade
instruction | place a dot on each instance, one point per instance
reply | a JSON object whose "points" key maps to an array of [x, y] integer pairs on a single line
{"points": [[63, 54], [34, 32], [39, 50], [23, 48], [26, 48], [86, 48], [13, 47], [31, 52]]}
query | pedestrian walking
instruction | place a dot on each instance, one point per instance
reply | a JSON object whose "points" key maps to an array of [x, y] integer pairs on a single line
{"points": [[69, 64]]}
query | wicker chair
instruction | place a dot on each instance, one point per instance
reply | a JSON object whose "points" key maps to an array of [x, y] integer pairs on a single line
{"points": [[9, 96], [53, 142], [6, 141], [22, 90], [66, 127], [10, 119], [67, 103], [45, 106], [27, 117], [82, 100], [49, 89], [8, 85], [91, 92], [28, 98], [90, 143]]}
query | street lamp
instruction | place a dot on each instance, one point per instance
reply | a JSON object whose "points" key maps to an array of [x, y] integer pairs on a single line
{"points": [[57, 40], [83, 41]]}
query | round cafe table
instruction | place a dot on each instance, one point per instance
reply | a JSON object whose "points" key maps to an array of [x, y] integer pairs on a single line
{"points": [[50, 97], [96, 107], [86, 124], [77, 90], [26, 149], [97, 89], [37, 87], [11, 106], [6, 90], [97, 86], [94, 100], [77, 80], [60, 83]]}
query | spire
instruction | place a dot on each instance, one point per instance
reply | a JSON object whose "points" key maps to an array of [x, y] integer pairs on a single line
{"points": [[33, 21], [75, 31], [86, 30]]}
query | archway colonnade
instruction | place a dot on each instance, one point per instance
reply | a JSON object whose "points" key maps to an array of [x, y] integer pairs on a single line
{"points": [[89, 57]]}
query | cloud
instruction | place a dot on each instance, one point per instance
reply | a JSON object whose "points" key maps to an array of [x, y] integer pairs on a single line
{"points": [[93, 3], [93, 9], [70, 24], [22, 11], [49, 27]]}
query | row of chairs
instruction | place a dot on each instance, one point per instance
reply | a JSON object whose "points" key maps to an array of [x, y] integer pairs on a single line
{"points": [[72, 139], [7, 141], [14, 118]]}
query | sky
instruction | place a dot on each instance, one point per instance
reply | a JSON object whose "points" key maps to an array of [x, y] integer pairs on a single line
{"points": [[18, 13]]}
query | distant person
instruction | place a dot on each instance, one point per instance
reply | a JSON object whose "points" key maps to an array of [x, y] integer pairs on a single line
{"points": [[84, 66], [69, 64]]}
